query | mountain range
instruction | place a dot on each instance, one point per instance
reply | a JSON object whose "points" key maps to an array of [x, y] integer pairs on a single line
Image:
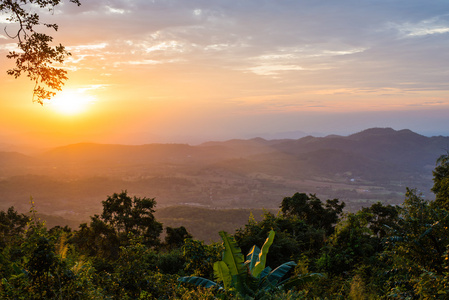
{"points": [[372, 165]]}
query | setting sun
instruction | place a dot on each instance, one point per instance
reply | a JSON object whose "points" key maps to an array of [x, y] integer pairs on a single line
{"points": [[71, 102]]}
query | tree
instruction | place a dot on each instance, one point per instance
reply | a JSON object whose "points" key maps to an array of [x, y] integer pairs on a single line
{"points": [[123, 217], [97, 240], [12, 225], [36, 56], [350, 245], [422, 236], [311, 210], [200, 257], [417, 249], [381, 218], [132, 215], [43, 267], [293, 237], [301, 227], [441, 182], [175, 237]]}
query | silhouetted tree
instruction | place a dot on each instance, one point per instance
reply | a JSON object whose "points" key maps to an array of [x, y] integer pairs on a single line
{"points": [[132, 215], [12, 225], [36, 56], [381, 218], [441, 182], [175, 237], [351, 245], [310, 209], [122, 218]]}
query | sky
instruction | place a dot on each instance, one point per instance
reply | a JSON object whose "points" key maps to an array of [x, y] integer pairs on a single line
{"points": [[188, 71]]}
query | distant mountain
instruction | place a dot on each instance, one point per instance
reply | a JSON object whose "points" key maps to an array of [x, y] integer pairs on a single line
{"points": [[372, 165], [13, 163], [157, 153], [284, 135], [372, 153], [105, 153], [379, 154], [239, 147], [403, 147], [12, 158]]}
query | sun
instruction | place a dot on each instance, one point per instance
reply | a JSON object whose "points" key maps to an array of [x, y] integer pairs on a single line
{"points": [[71, 102]]}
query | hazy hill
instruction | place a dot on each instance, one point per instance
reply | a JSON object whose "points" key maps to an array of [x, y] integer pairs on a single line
{"points": [[153, 153], [373, 154], [244, 147], [14, 158], [401, 149], [101, 153], [14, 163], [362, 168], [377, 146]]}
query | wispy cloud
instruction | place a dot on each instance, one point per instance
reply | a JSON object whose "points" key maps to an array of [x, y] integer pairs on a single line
{"points": [[273, 69], [88, 47], [113, 10], [432, 26], [271, 55]]}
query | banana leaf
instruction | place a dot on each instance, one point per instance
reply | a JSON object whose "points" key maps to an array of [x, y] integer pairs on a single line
{"points": [[265, 272], [221, 272], [260, 265], [277, 274], [232, 255], [272, 279], [252, 258], [199, 281]]}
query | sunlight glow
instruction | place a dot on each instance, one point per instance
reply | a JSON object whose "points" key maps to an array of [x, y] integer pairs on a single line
{"points": [[71, 102]]}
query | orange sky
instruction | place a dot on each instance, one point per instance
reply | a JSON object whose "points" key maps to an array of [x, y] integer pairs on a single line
{"points": [[176, 71]]}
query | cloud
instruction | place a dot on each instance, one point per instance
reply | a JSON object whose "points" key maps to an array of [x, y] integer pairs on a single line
{"points": [[297, 59], [366, 47], [89, 47], [91, 87], [272, 69], [112, 10], [9, 47], [435, 25]]}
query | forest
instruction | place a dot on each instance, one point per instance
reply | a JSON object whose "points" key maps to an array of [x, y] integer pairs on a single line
{"points": [[309, 249]]}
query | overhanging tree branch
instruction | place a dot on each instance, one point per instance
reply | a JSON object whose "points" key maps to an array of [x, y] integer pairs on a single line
{"points": [[35, 57]]}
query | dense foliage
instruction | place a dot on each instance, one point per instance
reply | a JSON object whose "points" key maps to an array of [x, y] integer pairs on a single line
{"points": [[379, 252]]}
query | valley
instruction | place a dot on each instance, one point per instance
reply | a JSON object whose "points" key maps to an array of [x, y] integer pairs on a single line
{"points": [[70, 182]]}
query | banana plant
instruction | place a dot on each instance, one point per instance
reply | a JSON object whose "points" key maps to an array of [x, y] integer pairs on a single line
{"points": [[251, 278]]}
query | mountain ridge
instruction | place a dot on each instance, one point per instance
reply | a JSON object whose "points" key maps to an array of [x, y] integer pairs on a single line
{"points": [[383, 144], [369, 166]]}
